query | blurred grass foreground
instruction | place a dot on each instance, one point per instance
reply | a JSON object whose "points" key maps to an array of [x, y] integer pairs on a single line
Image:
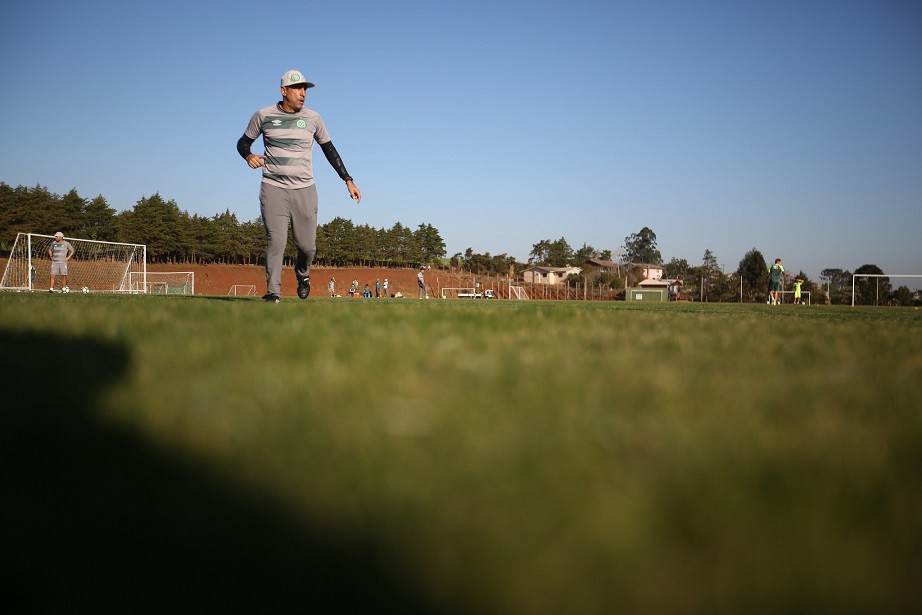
{"points": [[190, 454]]}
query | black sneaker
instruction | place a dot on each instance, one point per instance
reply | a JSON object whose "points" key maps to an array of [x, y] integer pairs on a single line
{"points": [[272, 298], [304, 286]]}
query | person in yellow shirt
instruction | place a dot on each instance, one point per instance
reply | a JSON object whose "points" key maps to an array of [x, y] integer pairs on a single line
{"points": [[797, 284]]}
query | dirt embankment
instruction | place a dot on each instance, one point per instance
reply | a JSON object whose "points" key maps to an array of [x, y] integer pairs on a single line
{"points": [[219, 279]]}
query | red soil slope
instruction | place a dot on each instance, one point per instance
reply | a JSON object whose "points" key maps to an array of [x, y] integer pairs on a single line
{"points": [[218, 279]]}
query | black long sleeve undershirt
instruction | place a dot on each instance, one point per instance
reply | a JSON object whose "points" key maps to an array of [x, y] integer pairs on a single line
{"points": [[335, 161], [243, 146]]}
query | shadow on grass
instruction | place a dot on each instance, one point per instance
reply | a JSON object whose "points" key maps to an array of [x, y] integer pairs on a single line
{"points": [[232, 298], [93, 518]]}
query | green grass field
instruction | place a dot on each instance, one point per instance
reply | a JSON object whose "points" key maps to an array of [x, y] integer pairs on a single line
{"points": [[195, 453]]}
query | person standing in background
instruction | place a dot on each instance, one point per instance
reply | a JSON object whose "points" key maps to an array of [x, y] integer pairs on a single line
{"points": [[60, 252], [776, 273]]}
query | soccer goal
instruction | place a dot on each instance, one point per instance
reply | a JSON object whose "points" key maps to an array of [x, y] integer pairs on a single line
{"points": [[167, 283], [98, 266], [517, 292], [877, 277], [804, 296], [242, 290]]}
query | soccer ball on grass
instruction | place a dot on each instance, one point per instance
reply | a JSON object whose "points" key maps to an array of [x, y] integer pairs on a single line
{"points": [[85, 290], [65, 290]]}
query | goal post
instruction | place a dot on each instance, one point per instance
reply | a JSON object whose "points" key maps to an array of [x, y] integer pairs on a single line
{"points": [[517, 292], [889, 276], [167, 283], [98, 266], [244, 290], [804, 295]]}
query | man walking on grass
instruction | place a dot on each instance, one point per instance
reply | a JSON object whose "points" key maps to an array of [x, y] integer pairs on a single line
{"points": [[421, 282], [288, 194], [777, 275]]}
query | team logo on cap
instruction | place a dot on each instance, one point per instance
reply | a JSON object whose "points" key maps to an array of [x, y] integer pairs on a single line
{"points": [[294, 77]]}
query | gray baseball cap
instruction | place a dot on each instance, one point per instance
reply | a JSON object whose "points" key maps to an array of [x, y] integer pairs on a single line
{"points": [[295, 77]]}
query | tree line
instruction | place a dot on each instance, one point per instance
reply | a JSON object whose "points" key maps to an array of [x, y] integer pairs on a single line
{"points": [[175, 236]]}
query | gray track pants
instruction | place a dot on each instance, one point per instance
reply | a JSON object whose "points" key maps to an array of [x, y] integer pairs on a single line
{"points": [[279, 206]]}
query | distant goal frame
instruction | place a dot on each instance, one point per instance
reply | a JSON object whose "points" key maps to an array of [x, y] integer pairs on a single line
{"points": [[855, 277], [167, 283], [804, 295], [518, 292], [249, 290]]}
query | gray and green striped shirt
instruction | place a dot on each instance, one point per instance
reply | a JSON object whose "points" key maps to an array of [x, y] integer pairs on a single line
{"points": [[59, 251], [288, 139]]}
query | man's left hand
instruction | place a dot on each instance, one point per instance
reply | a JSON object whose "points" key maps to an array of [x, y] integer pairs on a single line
{"points": [[354, 193]]}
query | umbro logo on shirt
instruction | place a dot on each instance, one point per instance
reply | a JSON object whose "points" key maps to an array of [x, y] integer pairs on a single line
{"points": [[299, 123]]}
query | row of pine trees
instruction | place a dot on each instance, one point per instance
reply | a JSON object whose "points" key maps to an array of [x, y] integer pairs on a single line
{"points": [[175, 236]]}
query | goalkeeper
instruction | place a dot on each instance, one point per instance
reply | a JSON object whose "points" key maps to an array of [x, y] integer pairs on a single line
{"points": [[60, 251]]}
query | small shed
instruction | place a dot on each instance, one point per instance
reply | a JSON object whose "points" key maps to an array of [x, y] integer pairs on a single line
{"points": [[650, 290]]}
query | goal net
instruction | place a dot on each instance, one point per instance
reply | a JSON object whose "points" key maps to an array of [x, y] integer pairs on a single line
{"points": [[98, 266], [166, 282]]}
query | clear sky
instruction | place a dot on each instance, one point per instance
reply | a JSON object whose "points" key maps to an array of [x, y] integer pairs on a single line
{"points": [[793, 127]]}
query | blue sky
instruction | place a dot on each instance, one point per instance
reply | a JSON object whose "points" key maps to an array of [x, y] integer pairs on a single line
{"points": [[794, 127]]}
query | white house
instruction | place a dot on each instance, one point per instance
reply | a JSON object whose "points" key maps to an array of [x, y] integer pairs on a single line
{"points": [[548, 275]]}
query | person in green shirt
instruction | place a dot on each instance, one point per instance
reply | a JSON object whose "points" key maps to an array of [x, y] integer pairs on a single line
{"points": [[776, 272], [797, 284]]}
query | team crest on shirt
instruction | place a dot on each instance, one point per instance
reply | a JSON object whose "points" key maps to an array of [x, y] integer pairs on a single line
{"points": [[301, 124]]}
